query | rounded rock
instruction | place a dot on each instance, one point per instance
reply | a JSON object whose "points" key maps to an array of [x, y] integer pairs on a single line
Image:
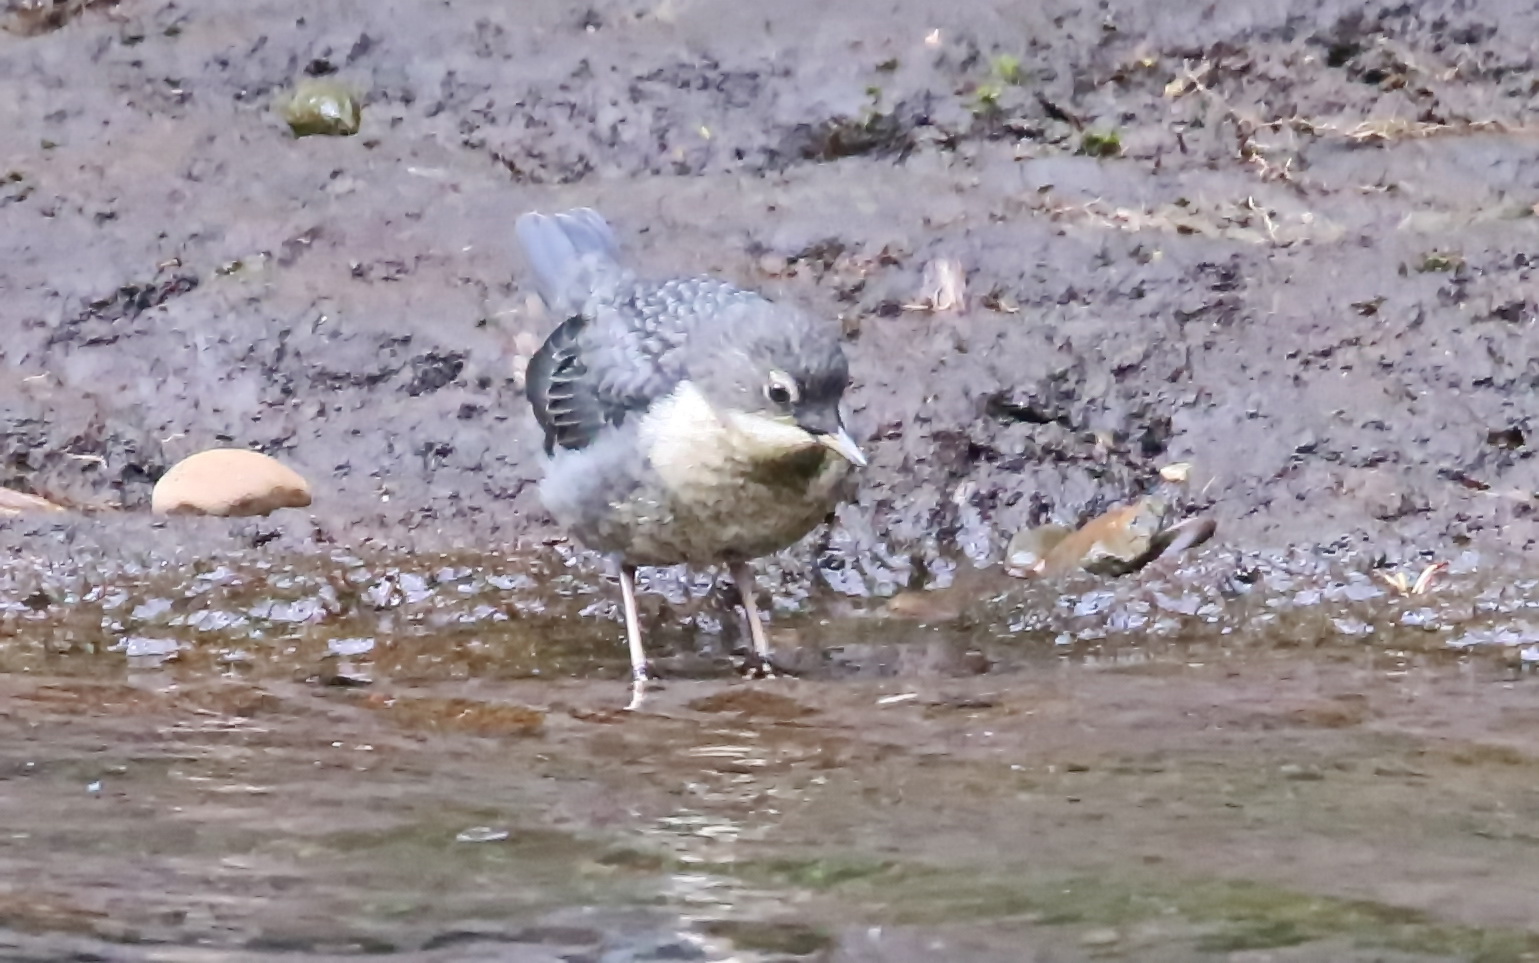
{"points": [[322, 107], [13, 502], [229, 482]]}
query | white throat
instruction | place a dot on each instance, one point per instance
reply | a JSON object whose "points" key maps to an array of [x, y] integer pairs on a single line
{"points": [[689, 440]]}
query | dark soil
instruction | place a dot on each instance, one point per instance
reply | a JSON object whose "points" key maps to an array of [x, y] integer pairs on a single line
{"points": [[1305, 271]]}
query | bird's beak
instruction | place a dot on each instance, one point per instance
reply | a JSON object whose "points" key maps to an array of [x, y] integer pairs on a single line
{"points": [[840, 441]]}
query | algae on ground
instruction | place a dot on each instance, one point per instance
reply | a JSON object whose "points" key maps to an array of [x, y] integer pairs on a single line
{"points": [[1222, 916]]}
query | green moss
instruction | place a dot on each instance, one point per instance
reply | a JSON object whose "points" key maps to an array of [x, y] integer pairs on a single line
{"points": [[1006, 69], [1222, 915], [1439, 261], [1100, 143], [793, 939], [986, 98], [813, 873]]}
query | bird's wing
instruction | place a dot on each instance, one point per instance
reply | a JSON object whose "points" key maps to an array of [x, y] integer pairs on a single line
{"points": [[641, 335], [597, 368], [623, 354], [573, 255], [561, 391]]}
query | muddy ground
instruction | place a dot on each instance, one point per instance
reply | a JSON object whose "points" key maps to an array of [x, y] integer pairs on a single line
{"points": [[1288, 244], [1307, 273]]}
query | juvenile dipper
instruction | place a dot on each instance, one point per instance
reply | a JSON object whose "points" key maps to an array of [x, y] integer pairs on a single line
{"points": [[686, 420]]}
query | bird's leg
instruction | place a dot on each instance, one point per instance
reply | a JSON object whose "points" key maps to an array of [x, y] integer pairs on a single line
{"points": [[742, 575], [633, 636]]}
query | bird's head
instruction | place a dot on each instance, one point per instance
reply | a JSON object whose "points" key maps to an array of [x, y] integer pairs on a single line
{"points": [[778, 375]]}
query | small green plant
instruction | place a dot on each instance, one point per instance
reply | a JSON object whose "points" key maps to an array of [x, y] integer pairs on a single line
{"points": [[1093, 143], [1440, 261], [986, 98], [1006, 69], [872, 113]]}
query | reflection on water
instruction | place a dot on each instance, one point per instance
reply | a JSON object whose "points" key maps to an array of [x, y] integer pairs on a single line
{"points": [[729, 801]]}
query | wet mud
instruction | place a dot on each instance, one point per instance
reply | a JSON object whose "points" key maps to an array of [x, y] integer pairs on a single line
{"points": [[1287, 248], [1295, 253]]}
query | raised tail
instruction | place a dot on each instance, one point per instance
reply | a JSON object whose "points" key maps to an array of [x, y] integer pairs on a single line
{"points": [[571, 253]]}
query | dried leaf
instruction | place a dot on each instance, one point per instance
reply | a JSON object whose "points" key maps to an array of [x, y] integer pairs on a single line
{"points": [[1396, 581], [1424, 580], [943, 287]]}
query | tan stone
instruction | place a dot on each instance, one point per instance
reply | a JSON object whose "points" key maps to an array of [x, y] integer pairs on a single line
{"points": [[18, 503], [228, 481]]}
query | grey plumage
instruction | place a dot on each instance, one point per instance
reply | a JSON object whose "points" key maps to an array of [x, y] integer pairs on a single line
{"points": [[572, 254], [686, 419]]}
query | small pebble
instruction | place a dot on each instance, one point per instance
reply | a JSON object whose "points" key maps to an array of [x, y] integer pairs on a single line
{"points": [[482, 834], [1300, 773], [324, 107], [1101, 937]]}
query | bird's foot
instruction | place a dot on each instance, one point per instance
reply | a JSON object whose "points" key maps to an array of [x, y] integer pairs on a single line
{"points": [[641, 676], [758, 669], [757, 666]]}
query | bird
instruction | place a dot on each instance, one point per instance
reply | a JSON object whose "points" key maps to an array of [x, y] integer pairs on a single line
{"points": [[686, 420]]}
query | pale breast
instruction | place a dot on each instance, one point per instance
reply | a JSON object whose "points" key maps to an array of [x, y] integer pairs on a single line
{"points": [[685, 484], [726, 486]]}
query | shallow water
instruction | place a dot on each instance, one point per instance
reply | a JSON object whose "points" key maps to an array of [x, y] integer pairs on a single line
{"points": [[326, 756]]}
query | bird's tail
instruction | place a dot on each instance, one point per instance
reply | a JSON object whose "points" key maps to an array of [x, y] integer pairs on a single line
{"points": [[571, 253]]}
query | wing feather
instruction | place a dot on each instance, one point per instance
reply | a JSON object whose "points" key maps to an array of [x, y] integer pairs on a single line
{"points": [[560, 390]]}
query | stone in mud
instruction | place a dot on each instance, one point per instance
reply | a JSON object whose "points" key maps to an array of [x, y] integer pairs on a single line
{"points": [[322, 107], [229, 481], [29, 18], [13, 502]]}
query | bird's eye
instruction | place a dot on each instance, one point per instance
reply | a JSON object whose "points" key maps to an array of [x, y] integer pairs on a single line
{"points": [[781, 390]]}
